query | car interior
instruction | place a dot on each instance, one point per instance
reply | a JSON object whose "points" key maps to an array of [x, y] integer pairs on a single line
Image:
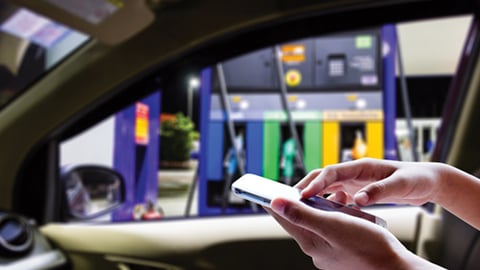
{"points": [[104, 59]]}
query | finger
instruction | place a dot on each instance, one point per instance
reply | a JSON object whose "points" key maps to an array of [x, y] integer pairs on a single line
{"points": [[340, 197], [328, 225], [366, 169], [306, 239], [305, 181]]}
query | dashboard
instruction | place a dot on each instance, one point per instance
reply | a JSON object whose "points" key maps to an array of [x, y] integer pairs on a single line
{"points": [[23, 247]]}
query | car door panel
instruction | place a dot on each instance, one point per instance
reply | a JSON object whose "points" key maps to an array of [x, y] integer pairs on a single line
{"points": [[228, 242]]}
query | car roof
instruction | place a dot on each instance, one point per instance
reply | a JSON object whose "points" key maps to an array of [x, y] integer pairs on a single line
{"points": [[184, 35]]}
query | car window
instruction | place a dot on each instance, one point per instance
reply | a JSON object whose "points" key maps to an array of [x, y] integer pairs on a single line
{"points": [[278, 111], [30, 46]]}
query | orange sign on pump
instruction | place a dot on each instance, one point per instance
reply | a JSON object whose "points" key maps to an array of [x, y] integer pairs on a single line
{"points": [[293, 53], [141, 123]]}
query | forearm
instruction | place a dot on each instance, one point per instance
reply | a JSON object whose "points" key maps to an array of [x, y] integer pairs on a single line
{"points": [[459, 193]]}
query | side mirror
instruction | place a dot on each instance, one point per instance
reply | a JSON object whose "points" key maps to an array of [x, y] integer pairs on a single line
{"points": [[91, 191]]}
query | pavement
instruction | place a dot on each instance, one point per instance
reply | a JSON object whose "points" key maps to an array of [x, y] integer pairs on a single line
{"points": [[173, 190]]}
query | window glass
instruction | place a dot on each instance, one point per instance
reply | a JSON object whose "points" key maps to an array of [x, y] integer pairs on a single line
{"points": [[430, 61], [280, 112]]}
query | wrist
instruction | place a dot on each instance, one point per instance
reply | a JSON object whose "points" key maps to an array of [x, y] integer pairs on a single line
{"points": [[445, 184], [412, 261]]}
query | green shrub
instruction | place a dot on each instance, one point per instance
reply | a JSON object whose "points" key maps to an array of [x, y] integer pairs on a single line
{"points": [[176, 138]]}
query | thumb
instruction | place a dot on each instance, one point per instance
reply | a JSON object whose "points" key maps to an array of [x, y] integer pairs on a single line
{"points": [[381, 191]]}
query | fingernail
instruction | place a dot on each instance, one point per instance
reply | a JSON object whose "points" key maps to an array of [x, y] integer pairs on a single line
{"points": [[278, 206], [361, 197]]}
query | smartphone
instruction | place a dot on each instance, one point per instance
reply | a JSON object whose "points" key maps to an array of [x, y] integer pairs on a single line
{"points": [[262, 190]]}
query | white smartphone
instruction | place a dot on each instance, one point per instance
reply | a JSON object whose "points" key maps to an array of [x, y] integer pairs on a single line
{"points": [[262, 190]]}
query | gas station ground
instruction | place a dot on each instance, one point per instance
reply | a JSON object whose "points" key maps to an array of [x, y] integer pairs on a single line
{"points": [[173, 190]]}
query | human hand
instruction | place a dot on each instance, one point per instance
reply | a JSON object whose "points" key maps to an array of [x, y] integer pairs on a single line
{"points": [[335, 240], [368, 181]]}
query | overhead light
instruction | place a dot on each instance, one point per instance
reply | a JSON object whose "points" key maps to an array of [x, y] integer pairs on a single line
{"points": [[194, 82]]}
